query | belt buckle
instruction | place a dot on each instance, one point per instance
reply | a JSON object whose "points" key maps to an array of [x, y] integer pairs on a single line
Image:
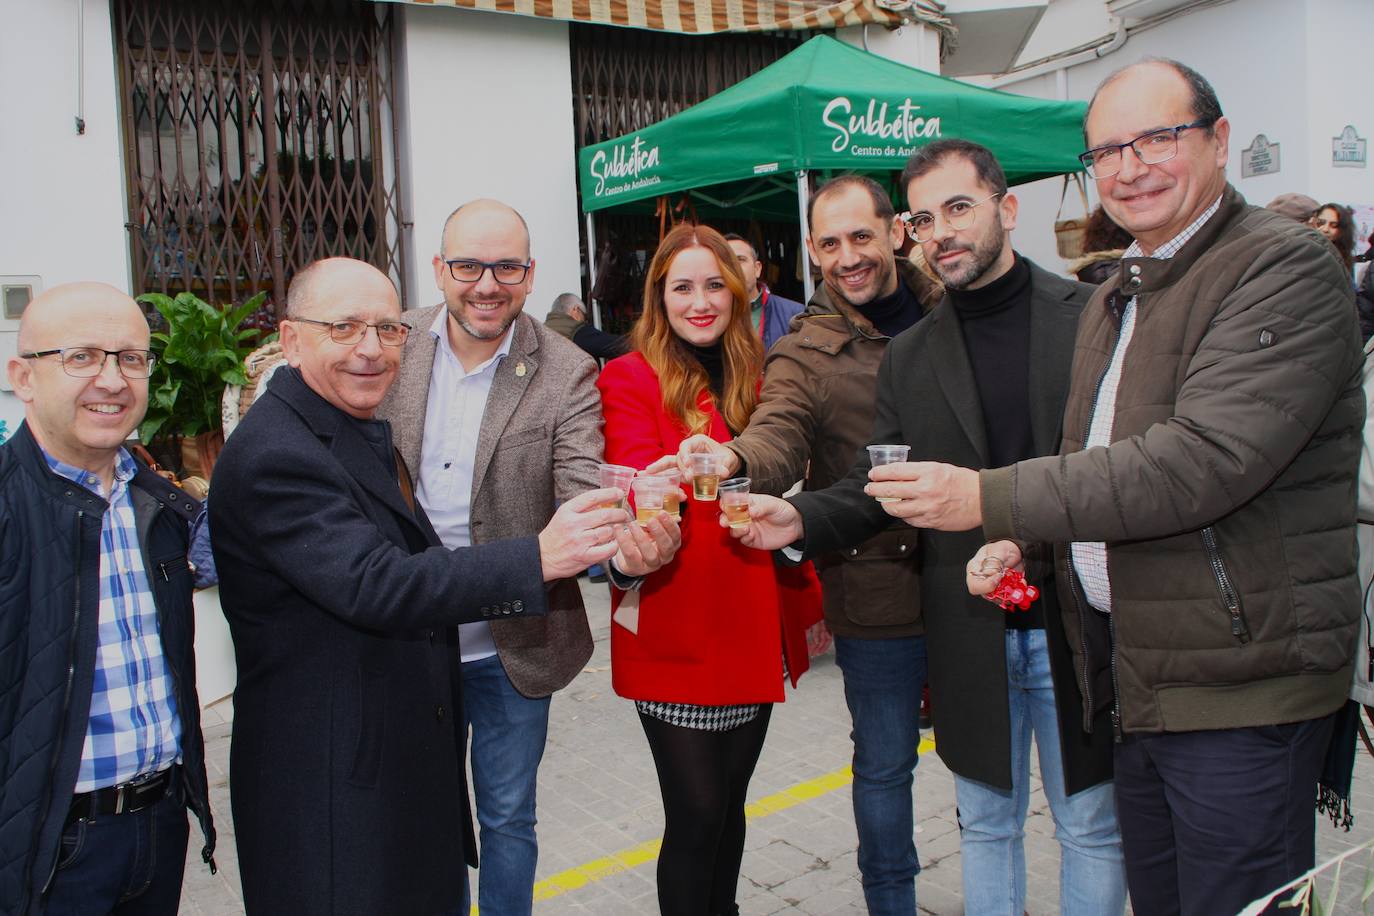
{"points": [[121, 793]]}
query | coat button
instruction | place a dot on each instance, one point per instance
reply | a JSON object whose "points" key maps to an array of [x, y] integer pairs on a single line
{"points": [[1135, 270], [1267, 338], [901, 548], [439, 713], [1133, 283], [853, 551]]}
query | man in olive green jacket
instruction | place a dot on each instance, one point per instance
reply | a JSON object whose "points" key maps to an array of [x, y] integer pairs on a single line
{"points": [[1203, 504]]}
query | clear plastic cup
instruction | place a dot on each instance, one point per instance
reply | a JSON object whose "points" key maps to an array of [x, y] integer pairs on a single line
{"points": [[705, 476], [734, 501], [887, 454], [618, 476], [649, 492], [672, 496]]}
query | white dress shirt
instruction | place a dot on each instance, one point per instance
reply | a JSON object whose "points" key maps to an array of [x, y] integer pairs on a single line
{"points": [[453, 419], [1090, 557]]}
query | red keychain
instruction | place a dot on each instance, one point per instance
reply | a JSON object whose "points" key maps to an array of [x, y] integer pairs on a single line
{"points": [[1013, 593]]}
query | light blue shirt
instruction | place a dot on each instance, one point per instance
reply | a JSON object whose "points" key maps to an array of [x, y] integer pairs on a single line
{"points": [[453, 419]]}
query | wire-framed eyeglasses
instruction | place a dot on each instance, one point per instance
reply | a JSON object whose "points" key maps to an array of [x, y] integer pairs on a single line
{"points": [[507, 273], [88, 362], [958, 215], [1151, 149], [350, 330]]}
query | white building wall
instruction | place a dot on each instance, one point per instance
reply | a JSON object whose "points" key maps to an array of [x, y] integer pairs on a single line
{"points": [[63, 194], [487, 112], [1289, 70]]}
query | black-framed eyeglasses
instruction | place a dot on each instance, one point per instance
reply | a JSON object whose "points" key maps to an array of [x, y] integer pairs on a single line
{"points": [[349, 330], [958, 215], [507, 273], [88, 362], [1151, 149]]}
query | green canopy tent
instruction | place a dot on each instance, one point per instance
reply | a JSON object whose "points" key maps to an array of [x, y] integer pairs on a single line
{"points": [[825, 106]]}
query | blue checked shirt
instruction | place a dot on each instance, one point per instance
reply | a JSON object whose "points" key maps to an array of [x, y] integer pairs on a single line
{"points": [[133, 728]]}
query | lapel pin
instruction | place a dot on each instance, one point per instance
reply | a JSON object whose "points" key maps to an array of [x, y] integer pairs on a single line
{"points": [[520, 370]]}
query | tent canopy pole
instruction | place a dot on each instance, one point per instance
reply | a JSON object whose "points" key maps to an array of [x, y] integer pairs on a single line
{"points": [[803, 192], [591, 272]]}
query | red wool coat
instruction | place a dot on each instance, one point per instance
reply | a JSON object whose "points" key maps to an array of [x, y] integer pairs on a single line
{"points": [[713, 624]]}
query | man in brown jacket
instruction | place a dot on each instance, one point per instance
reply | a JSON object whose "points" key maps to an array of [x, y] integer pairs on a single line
{"points": [[815, 413], [1202, 504]]}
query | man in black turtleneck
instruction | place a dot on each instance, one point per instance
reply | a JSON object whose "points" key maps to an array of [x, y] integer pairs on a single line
{"points": [[981, 382]]}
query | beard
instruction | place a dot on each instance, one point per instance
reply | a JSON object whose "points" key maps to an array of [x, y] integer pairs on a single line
{"points": [[984, 253]]}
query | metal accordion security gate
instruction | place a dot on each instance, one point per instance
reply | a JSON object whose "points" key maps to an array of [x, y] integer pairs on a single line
{"points": [[258, 138]]}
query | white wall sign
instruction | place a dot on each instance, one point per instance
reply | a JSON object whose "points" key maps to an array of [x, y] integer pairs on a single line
{"points": [[1259, 158], [1349, 149]]}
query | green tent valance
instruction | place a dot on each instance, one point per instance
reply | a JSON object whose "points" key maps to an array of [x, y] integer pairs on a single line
{"points": [[827, 106]]}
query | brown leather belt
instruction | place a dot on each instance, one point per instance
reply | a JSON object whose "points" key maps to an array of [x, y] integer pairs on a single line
{"points": [[122, 799]]}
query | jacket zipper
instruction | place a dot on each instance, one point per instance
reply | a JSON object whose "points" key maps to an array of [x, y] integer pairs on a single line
{"points": [[206, 856], [1111, 621], [67, 695], [1229, 595]]}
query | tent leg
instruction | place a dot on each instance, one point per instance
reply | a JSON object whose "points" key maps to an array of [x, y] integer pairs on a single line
{"points": [[591, 270], [803, 192]]}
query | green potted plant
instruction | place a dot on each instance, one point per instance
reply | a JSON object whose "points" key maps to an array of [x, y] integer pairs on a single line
{"points": [[201, 350]]}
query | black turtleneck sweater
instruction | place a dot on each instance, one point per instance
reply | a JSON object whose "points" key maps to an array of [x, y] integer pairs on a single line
{"points": [[995, 320], [895, 313]]}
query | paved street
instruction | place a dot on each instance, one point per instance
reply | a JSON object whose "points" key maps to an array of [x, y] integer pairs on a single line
{"points": [[600, 817]]}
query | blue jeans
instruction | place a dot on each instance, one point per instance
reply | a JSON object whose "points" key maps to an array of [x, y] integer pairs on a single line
{"points": [[124, 864], [1092, 877], [506, 743], [882, 686]]}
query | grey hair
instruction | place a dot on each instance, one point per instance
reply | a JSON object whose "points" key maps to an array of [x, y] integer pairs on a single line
{"points": [[565, 303]]}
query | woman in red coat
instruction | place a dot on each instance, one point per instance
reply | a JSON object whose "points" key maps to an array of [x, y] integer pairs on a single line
{"points": [[701, 646]]}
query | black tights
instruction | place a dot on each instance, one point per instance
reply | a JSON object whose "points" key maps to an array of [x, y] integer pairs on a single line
{"points": [[703, 777]]}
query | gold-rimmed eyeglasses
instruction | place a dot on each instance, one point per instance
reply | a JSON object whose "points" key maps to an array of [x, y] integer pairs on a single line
{"points": [[349, 330], [958, 215]]}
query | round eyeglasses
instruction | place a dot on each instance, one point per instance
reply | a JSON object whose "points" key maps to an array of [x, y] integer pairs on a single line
{"points": [[350, 331], [88, 362], [507, 273], [958, 215]]}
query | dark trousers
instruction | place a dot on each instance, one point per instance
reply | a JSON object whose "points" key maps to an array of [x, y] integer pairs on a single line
{"points": [[1212, 820], [124, 864], [703, 777]]}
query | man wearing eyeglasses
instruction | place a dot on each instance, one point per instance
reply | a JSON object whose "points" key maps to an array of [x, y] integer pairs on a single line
{"points": [[981, 382], [100, 747], [1202, 505], [500, 419], [347, 760]]}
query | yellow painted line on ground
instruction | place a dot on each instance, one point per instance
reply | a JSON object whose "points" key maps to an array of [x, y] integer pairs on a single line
{"points": [[590, 872]]}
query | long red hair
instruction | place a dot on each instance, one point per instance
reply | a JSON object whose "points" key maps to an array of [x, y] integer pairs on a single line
{"points": [[680, 376]]}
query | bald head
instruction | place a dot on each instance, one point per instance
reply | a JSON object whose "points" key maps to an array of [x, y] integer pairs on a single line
{"points": [[78, 418], [485, 213], [325, 279], [74, 306]]}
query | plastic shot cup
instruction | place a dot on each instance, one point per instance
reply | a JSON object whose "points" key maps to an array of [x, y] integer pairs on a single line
{"points": [[672, 495], [887, 454], [705, 476], [618, 476], [734, 501], [649, 493]]}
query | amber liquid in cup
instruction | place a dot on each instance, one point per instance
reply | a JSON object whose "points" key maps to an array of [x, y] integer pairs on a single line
{"points": [[644, 513], [704, 486], [736, 509], [672, 503]]}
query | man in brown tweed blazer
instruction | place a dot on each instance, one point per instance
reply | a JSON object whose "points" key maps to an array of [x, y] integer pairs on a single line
{"points": [[498, 419]]}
